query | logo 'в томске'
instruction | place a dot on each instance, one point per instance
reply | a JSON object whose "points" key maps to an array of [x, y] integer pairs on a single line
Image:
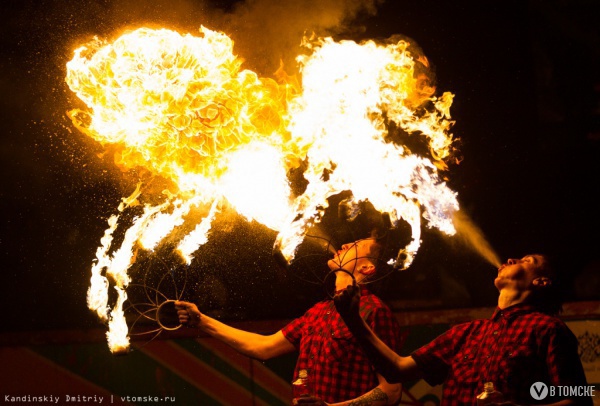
{"points": [[540, 390]]}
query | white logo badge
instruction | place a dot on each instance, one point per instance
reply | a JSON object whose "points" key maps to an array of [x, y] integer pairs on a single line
{"points": [[539, 390]]}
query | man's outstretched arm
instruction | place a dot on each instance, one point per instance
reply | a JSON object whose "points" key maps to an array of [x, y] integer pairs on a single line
{"points": [[253, 345], [392, 366]]}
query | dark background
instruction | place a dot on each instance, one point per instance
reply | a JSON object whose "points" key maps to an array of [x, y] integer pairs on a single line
{"points": [[526, 79]]}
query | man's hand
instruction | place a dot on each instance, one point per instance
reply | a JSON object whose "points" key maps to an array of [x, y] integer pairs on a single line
{"points": [[188, 313], [347, 304]]}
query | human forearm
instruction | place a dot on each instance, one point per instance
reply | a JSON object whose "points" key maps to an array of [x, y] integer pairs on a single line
{"points": [[250, 344], [388, 363], [379, 396]]}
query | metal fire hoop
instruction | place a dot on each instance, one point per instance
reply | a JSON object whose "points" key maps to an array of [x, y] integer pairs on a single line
{"points": [[163, 283], [309, 266], [160, 321]]}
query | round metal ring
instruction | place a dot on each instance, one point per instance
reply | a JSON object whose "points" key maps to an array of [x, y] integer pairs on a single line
{"points": [[160, 323]]}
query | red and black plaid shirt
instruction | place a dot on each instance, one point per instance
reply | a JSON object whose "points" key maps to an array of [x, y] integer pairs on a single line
{"points": [[514, 349], [337, 365]]}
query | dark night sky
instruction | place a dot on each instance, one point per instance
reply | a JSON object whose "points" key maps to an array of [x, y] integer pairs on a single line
{"points": [[526, 79]]}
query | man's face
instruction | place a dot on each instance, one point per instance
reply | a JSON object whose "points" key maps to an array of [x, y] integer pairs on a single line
{"points": [[519, 273], [353, 256]]}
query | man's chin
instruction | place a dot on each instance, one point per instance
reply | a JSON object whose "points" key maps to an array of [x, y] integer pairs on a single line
{"points": [[333, 265]]}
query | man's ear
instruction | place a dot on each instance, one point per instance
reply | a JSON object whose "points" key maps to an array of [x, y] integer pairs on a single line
{"points": [[367, 269], [542, 281]]}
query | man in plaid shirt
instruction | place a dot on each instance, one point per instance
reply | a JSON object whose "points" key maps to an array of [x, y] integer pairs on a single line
{"points": [[338, 367], [522, 346]]}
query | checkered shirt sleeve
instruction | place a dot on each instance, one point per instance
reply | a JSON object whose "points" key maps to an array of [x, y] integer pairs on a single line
{"points": [[339, 368]]}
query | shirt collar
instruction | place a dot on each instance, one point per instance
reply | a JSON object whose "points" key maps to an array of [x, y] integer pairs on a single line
{"points": [[512, 311]]}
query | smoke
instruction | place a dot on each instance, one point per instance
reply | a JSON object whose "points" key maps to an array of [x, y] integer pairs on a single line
{"points": [[472, 237], [269, 32], [265, 32]]}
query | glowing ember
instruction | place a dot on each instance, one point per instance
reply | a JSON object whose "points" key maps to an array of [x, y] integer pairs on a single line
{"points": [[181, 107]]}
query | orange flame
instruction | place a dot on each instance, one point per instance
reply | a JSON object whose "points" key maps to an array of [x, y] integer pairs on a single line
{"points": [[181, 107], [349, 90]]}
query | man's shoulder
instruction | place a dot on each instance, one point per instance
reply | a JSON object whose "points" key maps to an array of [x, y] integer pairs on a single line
{"points": [[372, 306], [541, 324], [544, 320], [373, 300], [320, 304], [540, 315], [470, 325]]}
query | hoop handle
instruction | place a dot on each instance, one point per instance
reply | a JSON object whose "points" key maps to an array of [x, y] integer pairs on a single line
{"points": [[164, 327]]}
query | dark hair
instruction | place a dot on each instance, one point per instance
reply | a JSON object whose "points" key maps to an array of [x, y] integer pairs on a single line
{"points": [[379, 247], [548, 298]]}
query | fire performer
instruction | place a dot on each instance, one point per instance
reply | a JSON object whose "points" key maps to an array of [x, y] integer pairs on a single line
{"points": [[523, 344], [339, 369]]}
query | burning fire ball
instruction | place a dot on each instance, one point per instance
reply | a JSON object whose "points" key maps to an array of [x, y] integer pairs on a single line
{"points": [[182, 108]]}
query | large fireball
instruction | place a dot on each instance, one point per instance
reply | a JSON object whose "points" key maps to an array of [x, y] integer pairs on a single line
{"points": [[181, 107]]}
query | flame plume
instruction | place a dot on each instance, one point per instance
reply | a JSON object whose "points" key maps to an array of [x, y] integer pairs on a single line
{"points": [[347, 88], [181, 107]]}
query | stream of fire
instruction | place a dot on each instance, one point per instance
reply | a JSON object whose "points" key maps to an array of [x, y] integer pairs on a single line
{"points": [[182, 107]]}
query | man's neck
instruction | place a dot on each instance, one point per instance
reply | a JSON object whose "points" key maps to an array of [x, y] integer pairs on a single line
{"points": [[509, 297], [343, 280]]}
